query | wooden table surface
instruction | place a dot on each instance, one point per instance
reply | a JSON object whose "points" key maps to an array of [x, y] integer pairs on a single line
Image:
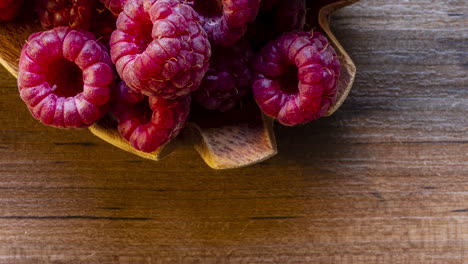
{"points": [[385, 180]]}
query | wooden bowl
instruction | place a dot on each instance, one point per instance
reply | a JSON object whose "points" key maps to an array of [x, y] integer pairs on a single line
{"points": [[224, 141]]}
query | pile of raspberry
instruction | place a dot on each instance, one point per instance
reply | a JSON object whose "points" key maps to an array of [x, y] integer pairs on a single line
{"points": [[145, 63]]}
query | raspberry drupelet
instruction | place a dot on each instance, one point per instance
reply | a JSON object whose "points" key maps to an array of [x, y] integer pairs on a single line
{"points": [[296, 77], [159, 48], [9, 9], [64, 78], [149, 122], [76, 14], [225, 21], [228, 78]]}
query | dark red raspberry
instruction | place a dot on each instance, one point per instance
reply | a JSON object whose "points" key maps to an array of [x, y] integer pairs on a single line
{"points": [[225, 21], [159, 48], [149, 122], [9, 9], [267, 5], [296, 77], [275, 19], [70, 13], [64, 77], [290, 15], [261, 31], [228, 78], [103, 25], [114, 6]]}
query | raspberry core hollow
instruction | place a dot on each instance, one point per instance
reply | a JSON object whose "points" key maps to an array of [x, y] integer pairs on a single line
{"points": [[296, 77], [64, 77]]}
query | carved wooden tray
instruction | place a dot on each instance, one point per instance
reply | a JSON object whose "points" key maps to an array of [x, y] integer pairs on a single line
{"points": [[240, 138]]}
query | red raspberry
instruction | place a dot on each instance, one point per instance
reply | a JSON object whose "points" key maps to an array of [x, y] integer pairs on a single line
{"points": [[290, 15], [225, 21], [159, 48], [114, 6], [276, 18], [296, 77], [267, 5], [149, 122], [103, 25], [71, 13], [228, 78], [261, 31], [64, 77], [9, 9]]}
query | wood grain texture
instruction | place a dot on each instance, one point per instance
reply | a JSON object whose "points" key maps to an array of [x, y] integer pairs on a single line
{"points": [[384, 180]]}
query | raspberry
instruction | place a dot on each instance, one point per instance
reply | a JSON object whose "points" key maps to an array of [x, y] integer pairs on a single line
{"points": [[72, 13], [261, 31], [225, 21], [9, 9], [149, 122], [159, 48], [267, 5], [296, 77], [64, 77], [290, 15], [276, 18], [228, 78], [103, 25], [114, 6]]}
